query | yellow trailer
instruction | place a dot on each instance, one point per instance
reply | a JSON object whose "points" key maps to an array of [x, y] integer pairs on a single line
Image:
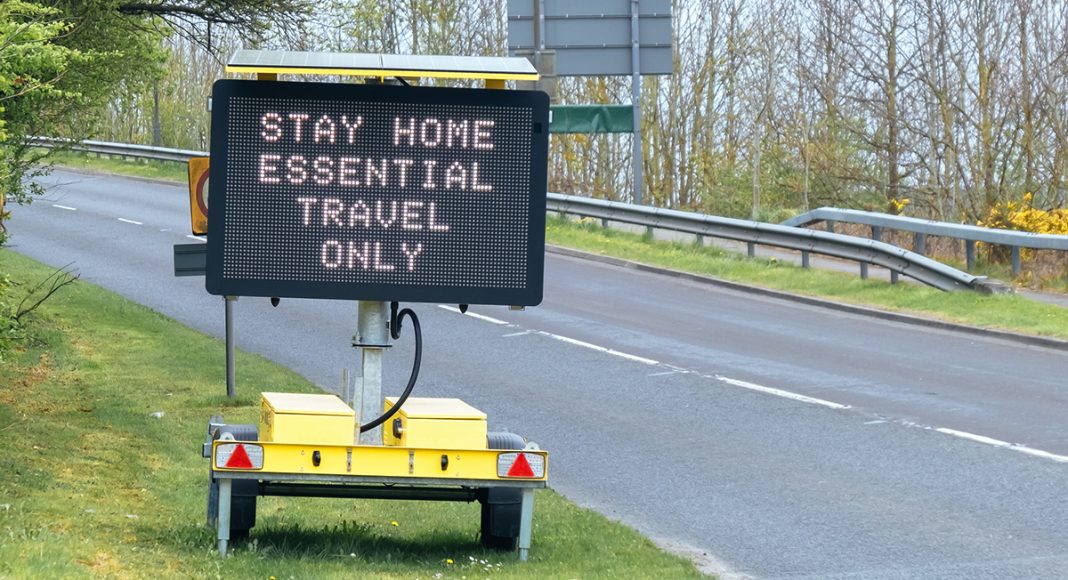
{"points": [[378, 193], [296, 450]]}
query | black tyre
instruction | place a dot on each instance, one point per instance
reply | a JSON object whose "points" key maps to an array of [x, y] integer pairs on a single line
{"points": [[501, 506], [243, 492]]}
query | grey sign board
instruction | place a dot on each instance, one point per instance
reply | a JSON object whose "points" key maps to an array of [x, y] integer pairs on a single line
{"points": [[593, 37], [190, 259]]}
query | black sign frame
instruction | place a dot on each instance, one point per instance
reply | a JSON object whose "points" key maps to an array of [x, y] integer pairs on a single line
{"points": [[525, 282]]}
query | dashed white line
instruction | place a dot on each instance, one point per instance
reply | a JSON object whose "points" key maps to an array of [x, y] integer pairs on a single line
{"points": [[610, 351], [974, 437], [130, 221], [573, 341], [762, 389], [1004, 444], [1040, 453], [66, 207], [514, 334], [473, 315], [633, 357], [781, 393]]}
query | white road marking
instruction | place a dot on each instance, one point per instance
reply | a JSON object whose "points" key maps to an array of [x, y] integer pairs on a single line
{"points": [[781, 393], [1004, 444], [66, 207], [610, 351], [762, 389], [974, 437], [192, 237], [1040, 453], [628, 356], [130, 221], [473, 315], [633, 357]]}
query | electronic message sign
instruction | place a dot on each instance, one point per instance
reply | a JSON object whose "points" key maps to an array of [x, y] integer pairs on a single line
{"points": [[377, 192]]}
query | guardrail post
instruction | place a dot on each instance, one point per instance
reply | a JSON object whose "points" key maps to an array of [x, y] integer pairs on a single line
{"points": [[863, 270], [804, 258], [750, 248], [1016, 261], [969, 254], [699, 239], [893, 276], [877, 233], [919, 243], [830, 226]]}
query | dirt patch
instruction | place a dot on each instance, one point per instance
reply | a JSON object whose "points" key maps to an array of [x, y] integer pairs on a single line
{"points": [[104, 564]]}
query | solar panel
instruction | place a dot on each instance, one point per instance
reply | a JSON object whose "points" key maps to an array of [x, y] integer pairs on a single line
{"points": [[387, 65]]}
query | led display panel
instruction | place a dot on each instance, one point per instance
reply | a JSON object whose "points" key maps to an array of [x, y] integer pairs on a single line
{"points": [[377, 192]]}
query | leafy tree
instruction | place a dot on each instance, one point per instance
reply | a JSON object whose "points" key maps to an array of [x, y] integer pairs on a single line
{"points": [[32, 67], [63, 61]]}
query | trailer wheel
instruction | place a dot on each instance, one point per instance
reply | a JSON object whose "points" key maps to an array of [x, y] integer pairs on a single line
{"points": [[501, 506], [243, 492]]}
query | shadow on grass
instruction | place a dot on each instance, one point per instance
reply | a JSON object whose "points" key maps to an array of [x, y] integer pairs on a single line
{"points": [[348, 540], [298, 541]]}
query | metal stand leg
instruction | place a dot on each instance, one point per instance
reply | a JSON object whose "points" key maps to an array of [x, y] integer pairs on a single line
{"points": [[373, 330], [225, 486], [231, 381], [526, 523]]}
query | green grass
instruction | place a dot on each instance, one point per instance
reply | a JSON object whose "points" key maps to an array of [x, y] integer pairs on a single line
{"points": [[165, 170], [91, 485], [1004, 312]]}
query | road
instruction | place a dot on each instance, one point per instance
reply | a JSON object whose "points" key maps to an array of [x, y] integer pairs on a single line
{"points": [[762, 437]]}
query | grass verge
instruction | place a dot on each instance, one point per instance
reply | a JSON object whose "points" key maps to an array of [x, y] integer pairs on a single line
{"points": [[1004, 312], [92, 485], [166, 170]]}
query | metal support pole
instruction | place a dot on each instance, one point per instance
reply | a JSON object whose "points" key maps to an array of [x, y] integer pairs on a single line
{"points": [[231, 379], [636, 101], [225, 486], [893, 276], [526, 523], [1016, 266], [830, 226], [539, 25], [863, 270], [372, 337], [969, 254], [919, 243], [750, 249], [877, 233]]}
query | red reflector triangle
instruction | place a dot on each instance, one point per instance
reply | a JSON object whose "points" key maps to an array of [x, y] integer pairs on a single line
{"points": [[239, 459], [521, 467]]}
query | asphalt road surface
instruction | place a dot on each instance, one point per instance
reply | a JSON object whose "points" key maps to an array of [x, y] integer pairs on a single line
{"points": [[762, 437]]}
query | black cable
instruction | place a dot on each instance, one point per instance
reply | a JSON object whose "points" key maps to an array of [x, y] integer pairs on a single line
{"points": [[394, 330]]}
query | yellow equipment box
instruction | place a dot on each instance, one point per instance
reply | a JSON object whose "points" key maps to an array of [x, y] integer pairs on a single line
{"points": [[297, 418], [436, 424]]}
